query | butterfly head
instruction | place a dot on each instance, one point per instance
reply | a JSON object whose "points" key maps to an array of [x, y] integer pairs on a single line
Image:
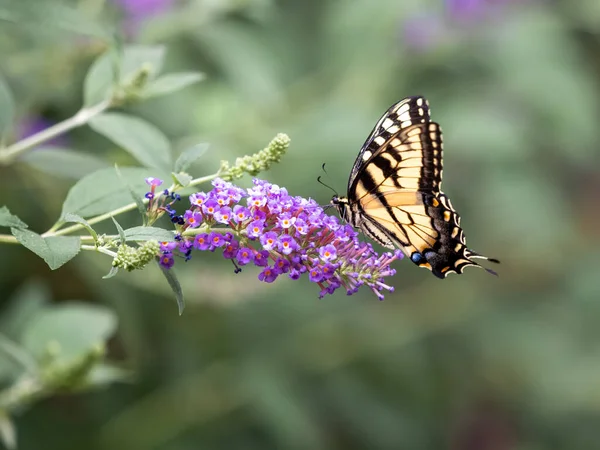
{"points": [[343, 206]]}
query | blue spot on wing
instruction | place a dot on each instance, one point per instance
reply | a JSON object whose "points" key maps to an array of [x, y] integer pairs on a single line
{"points": [[416, 257]]}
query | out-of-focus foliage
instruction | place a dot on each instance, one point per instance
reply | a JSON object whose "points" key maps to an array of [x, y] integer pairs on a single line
{"points": [[471, 362]]}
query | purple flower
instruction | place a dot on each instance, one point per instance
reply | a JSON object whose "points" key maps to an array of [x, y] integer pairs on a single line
{"points": [[269, 240], [244, 256], [202, 242], [268, 275], [315, 275], [240, 213], [210, 206], [282, 265], [168, 246], [151, 181], [30, 125], [223, 215], [138, 9], [328, 271], [198, 199], [300, 226], [166, 260], [293, 232], [230, 251], [287, 244], [192, 218], [257, 201], [328, 253], [222, 199], [286, 220], [295, 274], [255, 229], [261, 259], [216, 239]]}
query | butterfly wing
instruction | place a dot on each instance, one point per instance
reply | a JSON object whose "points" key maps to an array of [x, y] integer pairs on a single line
{"points": [[407, 112], [394, 191]]}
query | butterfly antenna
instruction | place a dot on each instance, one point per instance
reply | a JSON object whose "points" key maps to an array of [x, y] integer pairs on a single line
{"points": [[321, 181]]}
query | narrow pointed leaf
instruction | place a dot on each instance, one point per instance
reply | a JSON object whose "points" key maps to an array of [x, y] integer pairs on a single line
{"points": [[175, 286], [69, 217], [172, 82], [189, 156]]}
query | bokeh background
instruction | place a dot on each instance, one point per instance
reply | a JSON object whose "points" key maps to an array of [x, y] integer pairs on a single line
{"points": [[471, 362]]}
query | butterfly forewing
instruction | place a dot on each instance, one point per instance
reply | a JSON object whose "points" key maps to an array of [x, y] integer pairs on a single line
{"points": [[407, 112]]}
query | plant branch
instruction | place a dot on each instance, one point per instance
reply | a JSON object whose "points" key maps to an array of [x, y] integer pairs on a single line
{"points": [[10, 153]]}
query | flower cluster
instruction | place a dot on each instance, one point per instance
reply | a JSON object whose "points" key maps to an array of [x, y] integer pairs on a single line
{"points": [[278, 233]]}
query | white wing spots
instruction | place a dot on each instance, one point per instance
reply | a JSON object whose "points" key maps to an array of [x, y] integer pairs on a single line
{"points": [[366, 155], [379, 140], [387, 123], [420, 102], [421, 112], [402, 110], [393, 129]]}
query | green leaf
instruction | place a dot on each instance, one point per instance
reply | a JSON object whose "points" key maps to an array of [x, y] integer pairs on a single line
{"points": [[9, 220], [137, 200], [175, 286], [104, 75], [189, 156], [149, 234], [25, 302], [182, 179], [119, 230], [55, 250], [103, 191], [63, 162], [113, 271], [8, 433], [172, 82], [141, 139], [7, 107], [69, 217], [74, 328]]}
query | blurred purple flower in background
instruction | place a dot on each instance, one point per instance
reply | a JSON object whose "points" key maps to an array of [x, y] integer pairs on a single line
{"points": [[140, 9], [423, 32], [30, 125], [137, 11], [429, 30], [471, 11]]}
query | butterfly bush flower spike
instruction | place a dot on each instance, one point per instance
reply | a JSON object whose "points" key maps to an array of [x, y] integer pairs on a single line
{"points": [[258, 162], [284, 235]]}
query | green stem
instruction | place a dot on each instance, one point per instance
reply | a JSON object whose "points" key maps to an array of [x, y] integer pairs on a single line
{"points": [[10, 153], [123, 209], [99, 249]]}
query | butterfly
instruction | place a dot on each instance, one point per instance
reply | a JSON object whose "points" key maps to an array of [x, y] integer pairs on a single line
{"points": [[394, 192]]}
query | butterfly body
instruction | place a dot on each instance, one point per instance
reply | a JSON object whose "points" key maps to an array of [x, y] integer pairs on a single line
{"points": [[394, 192]]}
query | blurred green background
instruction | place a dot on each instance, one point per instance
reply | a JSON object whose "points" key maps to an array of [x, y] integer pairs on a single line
{"points": [[471, 362]]}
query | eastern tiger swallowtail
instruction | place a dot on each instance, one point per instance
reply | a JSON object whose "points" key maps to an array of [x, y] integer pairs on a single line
{"points": [[394, 193]]}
